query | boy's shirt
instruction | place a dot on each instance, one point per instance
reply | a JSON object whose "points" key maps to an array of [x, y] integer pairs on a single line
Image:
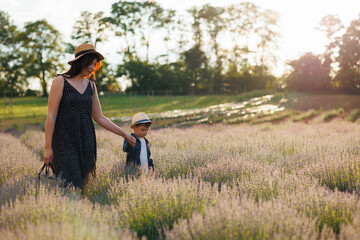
{"points": [[133, 153], [143, 156]]}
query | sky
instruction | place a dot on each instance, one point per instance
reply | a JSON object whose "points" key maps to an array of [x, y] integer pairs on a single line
{"points": [[297, 23]]}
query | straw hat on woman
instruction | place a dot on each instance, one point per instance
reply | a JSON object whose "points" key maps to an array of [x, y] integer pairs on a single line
{"points": [[70, 141]]}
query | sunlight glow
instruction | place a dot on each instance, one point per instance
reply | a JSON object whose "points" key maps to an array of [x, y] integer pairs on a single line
{"points": [[297, 24]]}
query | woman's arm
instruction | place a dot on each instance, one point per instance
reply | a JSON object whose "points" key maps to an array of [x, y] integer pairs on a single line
{"points": [[103, 121], [55, 96]]}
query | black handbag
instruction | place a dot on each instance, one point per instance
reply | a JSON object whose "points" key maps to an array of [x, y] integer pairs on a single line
{"points": [[47, 170]]}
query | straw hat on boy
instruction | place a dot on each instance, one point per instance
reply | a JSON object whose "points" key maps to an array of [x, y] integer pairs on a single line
{"points": [[140, 117], [83, 49]]}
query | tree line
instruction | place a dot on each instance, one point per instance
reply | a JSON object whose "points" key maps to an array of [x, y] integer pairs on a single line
{"points": [[207, 49], [338, 68]]}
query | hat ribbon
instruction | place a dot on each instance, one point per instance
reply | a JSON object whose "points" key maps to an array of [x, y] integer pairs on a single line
{"points": [[143, 120], [82, 52]]}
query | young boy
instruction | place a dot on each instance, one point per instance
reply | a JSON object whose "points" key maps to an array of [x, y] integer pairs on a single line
{"points": [[140, 154]]}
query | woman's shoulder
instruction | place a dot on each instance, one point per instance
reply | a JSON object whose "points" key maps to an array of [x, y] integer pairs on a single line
{"points": [[58, 80], [59, 77]]}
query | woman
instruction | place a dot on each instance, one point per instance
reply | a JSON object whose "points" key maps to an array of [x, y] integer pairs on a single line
{"points": [[70, 142]]}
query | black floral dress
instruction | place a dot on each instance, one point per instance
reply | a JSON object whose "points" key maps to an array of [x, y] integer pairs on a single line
{"points": [[74, 141]]}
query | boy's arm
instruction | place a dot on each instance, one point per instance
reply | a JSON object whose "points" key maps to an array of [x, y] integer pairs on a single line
{"points": [[126, 146], [150, 161], [151, 164]]}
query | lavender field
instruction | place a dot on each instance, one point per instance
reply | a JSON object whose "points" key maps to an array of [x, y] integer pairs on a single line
{"points": [[291, 180]]}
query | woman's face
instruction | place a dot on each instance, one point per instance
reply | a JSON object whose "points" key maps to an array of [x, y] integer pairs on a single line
{"points": [[87, 70]]}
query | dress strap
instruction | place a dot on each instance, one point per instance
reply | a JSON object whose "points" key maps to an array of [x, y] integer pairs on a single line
{"points": [[60, 74], [92, 86]]}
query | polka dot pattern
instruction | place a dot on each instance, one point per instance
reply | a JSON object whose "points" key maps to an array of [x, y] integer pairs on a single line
{"points": [[74, 141]]}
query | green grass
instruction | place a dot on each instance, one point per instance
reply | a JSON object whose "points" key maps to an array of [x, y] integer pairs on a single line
{"points": [[333, 114], [277, 117], [307, 116], [354, 115], [33, 110], [30, 112]]}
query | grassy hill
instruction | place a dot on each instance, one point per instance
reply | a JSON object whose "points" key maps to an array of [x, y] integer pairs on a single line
{"points": [[30, 112]]}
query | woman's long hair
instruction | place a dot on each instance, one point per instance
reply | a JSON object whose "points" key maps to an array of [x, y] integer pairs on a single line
{"points": [[81, 63]]}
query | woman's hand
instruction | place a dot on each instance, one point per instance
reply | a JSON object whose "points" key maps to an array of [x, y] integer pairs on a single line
{"points": [[131, 140], [48, 155]]}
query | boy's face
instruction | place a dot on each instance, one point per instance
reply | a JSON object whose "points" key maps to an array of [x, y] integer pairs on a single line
{"points": [[140, 131]]}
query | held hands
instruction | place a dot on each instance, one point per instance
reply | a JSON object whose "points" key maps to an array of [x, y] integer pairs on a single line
{"points": [[131, 140], [48, 155]]}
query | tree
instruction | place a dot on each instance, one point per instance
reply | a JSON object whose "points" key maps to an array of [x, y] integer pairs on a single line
{"points": [[267, 30], [348, 76], [308, 75], [153, 17], [235, 81], [143, 75], [195, 59], [248, 79], [124, 19], [173, 77], [12, 75], [242, 19], [196, 26], [90, 28], [215, 24], [107, 79], [42, 49], [136, 22], [196, 64], [176, 37], [331, 25]]}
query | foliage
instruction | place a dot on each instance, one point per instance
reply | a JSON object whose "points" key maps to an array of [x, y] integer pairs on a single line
{"points": [[308, 75], [348, 76], [133, 19], [337, 69], [194, 57], [215, 23], [148, 77], [200, 61], [143, 75], [106, 79], [12, 75], [354, 115], [306, 116], [332, 114], [196, 67], [90, 28], [42, 51]]}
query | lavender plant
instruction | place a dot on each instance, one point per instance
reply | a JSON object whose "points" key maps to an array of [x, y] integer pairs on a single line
{"points": [[244, 219], [265, 181]]}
